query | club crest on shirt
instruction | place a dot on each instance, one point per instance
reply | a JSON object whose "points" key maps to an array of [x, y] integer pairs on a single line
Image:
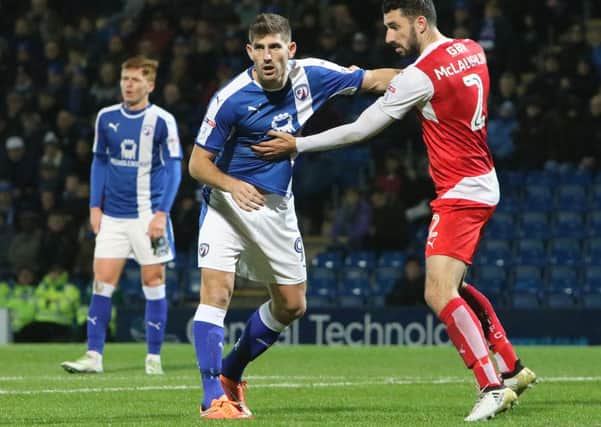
{"points": [[301, 92], [203, 249], [128, 149], [283, 123], [147, 130]]}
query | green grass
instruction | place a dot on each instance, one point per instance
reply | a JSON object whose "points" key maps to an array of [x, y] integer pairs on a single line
{"points": [[293, 386]]}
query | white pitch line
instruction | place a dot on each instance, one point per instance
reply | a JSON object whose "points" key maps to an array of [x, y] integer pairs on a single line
{"points": [[385, 381]]}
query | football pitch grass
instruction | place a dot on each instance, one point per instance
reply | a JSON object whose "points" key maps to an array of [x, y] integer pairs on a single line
{"points": [[292, 386]]}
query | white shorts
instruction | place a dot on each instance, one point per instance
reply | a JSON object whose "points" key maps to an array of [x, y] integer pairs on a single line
{"points": [[264, 245], [128, 238]]}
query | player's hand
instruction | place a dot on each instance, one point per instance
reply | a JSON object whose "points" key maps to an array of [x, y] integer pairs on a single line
{"points": [[95, 218], [246, 196], [282, 145], [158, 225]]}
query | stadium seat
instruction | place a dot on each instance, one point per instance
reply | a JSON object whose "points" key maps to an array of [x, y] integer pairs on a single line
{"points": [[534, 225], [567, 224], [594, 200], [591, 293], [394, 259], [330, 259], [561, 277], [564, 252], [592, 276], [527, 277], [501, 226], [561, 297], [530, 252], [384, 279], [509, 203], [592, 251], [493, 252], [490, 278], [511, 182], [537, 198], [322, 287], [174, 285], [361, 259], [322, 277], [541, 178], [525, 300], [192, 289], [354, 287], [527, 288], [561, 288], [570, 197], [131, 281], [593, 224], [577, 177]]}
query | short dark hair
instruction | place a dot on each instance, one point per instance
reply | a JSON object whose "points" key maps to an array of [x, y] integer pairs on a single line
{"points": [[412, 8], [270, 23]]}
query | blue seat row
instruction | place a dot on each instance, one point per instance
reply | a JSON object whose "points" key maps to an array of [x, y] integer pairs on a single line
{"points": [[533, 251]]}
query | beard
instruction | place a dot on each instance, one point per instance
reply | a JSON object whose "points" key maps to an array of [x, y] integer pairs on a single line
{"points": [[412, 44]]}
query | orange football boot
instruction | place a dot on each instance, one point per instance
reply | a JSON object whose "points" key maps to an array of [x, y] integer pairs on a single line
{"points": [[235, 392], [223, 409]]}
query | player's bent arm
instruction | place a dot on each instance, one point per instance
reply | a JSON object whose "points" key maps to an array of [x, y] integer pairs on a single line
{"points": [[371, 122], [202, 169], [377, 80]]}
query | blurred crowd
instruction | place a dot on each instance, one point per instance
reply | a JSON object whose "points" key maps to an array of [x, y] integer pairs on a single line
{"points": [[60, 63]]}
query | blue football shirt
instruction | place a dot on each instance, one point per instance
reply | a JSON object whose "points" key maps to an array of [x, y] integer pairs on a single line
{"points": [[137, 144], [241, 113]]}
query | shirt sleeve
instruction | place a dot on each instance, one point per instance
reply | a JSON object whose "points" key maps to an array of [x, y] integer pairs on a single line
{"points": [[171, 144], [410, 88], [336, 79], [216, 125], [369, 123], [100, 145], [173, 168], [97, 179]]}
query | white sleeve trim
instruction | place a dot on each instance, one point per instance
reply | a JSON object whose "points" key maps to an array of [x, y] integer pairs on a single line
{"points": [[371, 122]]}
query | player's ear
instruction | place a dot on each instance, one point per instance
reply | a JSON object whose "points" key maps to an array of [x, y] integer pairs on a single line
{"points": [[291, 49], [249, 51], [421, 24]]}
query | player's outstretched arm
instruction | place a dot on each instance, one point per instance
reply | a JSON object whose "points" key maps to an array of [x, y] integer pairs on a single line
{"points": [[202, 169], [378, 80], [371, 122]]}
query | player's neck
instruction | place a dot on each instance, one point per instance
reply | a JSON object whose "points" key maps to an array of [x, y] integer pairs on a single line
{"points": [[430, 37], [137, 106]]}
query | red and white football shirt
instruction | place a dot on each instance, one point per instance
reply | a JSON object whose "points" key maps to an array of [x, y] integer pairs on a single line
{"points": [[449, 85]]}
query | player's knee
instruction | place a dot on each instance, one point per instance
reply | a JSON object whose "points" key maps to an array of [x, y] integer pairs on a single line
{"points": [[433, 291], [289, 311], [152, 278]]}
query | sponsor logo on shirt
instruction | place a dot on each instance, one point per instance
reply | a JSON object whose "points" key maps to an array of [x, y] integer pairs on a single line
{"points": [[210, 122], [128, 149], [114, 126]]}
